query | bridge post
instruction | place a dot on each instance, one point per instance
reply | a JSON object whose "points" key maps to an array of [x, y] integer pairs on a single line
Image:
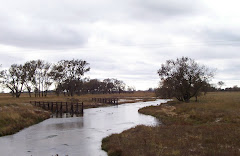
{"points": [[82, 109], [77, 111], [52, 106], [56, 107], [61, 108], [71, 108], [66, 107]]}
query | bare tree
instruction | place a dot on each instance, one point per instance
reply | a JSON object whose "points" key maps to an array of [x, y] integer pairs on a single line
{"points": [[68, 74], [109, 85], [93, 86], [1, 76], [42, 76], [114, 85], [37, 76], [30, 68], [58, 75], [46, 78], [14, 79], [119, 85], [221, 83], [131, 89], [182, 78]]}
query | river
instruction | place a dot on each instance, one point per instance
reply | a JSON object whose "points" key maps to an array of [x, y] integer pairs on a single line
{"points": [[77, 136]]}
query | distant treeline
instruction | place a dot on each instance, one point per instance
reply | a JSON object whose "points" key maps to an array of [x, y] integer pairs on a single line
{"points": [[65, 76], [213, 88], [234, 88], [206, 88]]}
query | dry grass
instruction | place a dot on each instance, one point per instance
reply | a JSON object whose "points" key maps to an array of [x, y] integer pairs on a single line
{"points": [[87, 98], [17, 113], [14, 117], [209, 127]]}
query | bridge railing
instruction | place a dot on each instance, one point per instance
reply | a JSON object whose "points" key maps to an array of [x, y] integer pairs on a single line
{"points": [[106, 100], [60, 107]]}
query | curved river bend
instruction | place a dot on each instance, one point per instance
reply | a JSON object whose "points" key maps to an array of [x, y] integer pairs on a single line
{"points": [[76, 136]]}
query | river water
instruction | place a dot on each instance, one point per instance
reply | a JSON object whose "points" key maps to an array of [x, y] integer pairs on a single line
{"points": [[77, 136]]}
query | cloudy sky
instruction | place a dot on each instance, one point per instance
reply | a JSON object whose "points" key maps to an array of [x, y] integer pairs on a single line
{"points": [[127, 39]]}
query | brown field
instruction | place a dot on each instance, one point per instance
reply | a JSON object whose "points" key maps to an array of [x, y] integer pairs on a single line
{"points": [[208, 127], [86, 98], [18, 113]]}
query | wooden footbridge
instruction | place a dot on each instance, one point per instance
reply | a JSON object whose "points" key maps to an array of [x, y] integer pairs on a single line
{"points": [[113, 101], [70, 107], [60, 107]]}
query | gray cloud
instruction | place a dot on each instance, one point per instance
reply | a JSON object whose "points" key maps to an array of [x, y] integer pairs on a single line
{"points": [[155, 9], [6, 60], [127, 39], [40, 34], [67, 23], [94, 10]]}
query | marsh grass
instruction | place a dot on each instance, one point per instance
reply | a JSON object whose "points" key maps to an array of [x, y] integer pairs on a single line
{"points": [[14, 117], [17, 113], [208, 127]]}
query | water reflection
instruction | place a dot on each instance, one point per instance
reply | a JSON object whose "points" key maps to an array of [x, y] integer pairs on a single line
{"points": [[65, 126], [78, 135], [66, 115]]}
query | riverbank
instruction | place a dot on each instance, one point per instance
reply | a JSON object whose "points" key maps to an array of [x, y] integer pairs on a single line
{"points": [[18, 113], [208, 127], [76, 136]]}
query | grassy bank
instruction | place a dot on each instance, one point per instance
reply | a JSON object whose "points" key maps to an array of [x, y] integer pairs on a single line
{"points": [[208, 127], [14, 117], [17, 113]]}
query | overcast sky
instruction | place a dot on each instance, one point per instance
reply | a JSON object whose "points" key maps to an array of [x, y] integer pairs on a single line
{"points": [[126, 39]]}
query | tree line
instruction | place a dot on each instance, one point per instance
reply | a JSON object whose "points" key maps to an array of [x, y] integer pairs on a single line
{"points": [[65, 77], [182, 78]]}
